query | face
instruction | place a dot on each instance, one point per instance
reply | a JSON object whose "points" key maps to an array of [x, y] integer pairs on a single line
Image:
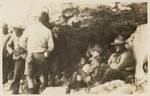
{"points": [[18, 32], [118, 47], [5, 31]]}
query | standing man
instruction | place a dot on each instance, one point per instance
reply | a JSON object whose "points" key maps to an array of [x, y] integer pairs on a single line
{"points": [[19, 55], [7, 60], [39, 45], [120, 64]]}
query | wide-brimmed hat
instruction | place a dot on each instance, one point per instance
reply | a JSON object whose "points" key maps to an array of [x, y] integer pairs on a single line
{"points": [[119, 40]]}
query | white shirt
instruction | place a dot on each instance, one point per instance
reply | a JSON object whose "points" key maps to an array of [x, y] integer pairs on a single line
{"points": [[38, 38]]}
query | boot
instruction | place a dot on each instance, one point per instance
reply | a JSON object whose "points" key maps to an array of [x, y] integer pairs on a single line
{"points": [[67, 90], [37, 89]]}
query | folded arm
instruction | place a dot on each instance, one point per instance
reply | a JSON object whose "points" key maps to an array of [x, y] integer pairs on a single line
{"points": [[124, 62]]}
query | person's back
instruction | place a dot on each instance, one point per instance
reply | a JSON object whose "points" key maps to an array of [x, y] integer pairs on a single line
{"points": [[38, 41], [38, 36]]}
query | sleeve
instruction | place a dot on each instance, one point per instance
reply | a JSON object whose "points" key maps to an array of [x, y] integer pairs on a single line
{"points": [[50, 42], [110, 60], [23, 39], [89, 51], [8, 45], [124, 61]]}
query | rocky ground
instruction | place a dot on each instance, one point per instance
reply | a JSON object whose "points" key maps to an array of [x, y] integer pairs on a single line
{"points": [[113, 87]]}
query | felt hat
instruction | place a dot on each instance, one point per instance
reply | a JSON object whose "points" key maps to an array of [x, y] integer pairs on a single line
{"points": [[119, 40]]}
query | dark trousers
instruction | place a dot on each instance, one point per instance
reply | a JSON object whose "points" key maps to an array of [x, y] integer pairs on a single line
{"points": [[73, 80], [8, 66], [37, 68], [108, 74], [18, 72]]}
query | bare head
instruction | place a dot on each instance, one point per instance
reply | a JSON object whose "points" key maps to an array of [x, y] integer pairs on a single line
{"points": [[5, 29]]}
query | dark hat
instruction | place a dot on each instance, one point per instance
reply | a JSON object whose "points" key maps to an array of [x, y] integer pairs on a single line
{"points": [[119, 40]]}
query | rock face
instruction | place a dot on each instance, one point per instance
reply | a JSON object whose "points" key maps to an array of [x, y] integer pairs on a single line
{"points": [[138, 44]]}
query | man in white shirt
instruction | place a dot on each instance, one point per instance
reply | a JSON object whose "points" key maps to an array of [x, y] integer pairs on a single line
{"points": [[38, 41]]}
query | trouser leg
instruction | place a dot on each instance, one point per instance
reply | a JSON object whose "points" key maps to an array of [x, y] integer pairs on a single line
{"points": [[6, 68], [31, 84], [5, 72], [87, 79], [111, 74], [18, 72], [45, 77], [37, 85], [72, 81], [103, 67]]}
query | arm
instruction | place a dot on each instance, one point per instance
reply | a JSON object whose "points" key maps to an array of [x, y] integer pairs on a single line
{"points": [[110, 60], [50, 43], [124, 62], [23, 40], [9, 47]]}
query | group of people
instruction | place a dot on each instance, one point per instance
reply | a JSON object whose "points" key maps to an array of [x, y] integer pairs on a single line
{"points": [[93, 71], [31, 48]]}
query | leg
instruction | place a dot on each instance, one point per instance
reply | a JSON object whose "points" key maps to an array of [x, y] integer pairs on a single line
{"points": [[6, 68], [111, 74], [31, 84], [39, 67], [53, 67], [87, 79], [72, 81], [18, 72], [103, 67], [45, 77], [37, 85]]}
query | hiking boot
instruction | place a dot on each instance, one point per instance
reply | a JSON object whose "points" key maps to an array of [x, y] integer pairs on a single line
{"points": [[68, 90]]}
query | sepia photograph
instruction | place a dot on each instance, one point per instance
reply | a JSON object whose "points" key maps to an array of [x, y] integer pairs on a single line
{"points": [[74, 48]]}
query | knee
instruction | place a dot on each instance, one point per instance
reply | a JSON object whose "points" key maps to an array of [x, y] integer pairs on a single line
{"points": [[109, 71], [103, 65], [88, 79]]}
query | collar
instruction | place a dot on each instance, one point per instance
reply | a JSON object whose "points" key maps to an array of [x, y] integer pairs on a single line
{"points": [[121, 51]]}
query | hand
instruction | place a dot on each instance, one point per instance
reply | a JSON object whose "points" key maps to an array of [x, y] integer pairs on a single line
{"points": [[11, 51], [114, 66], [46, 54], [95, 53]]}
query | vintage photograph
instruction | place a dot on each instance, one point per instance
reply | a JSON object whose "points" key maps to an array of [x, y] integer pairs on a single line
{"points": [[75, 48]]}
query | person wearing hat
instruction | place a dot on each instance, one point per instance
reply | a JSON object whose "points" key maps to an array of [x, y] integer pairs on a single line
{"points": [[7, 60], [120, 65], [19, 56], [39, 41]]}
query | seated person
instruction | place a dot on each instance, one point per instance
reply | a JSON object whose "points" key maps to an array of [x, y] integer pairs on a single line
{"points": [[86, 71], [76, 77], [120, 64]]}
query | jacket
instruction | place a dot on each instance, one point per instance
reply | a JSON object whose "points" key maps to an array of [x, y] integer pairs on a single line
{"points": [[18, 50], [122, 60]]}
